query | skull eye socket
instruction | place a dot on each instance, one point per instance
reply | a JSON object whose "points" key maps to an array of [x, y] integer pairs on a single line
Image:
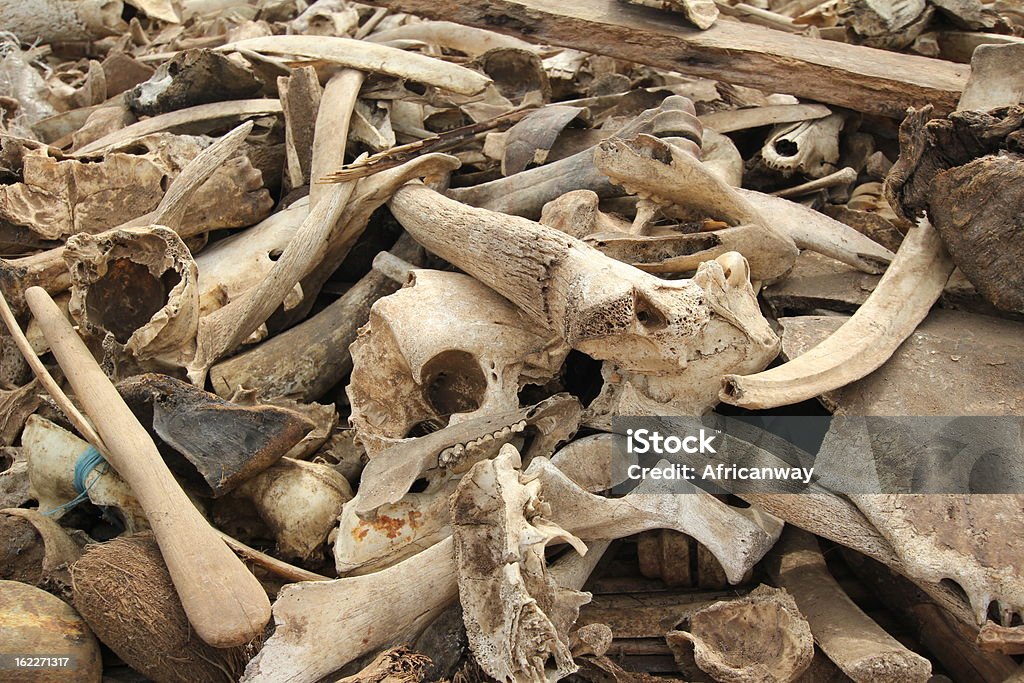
{"points": [[453, 382], [647, 314]]}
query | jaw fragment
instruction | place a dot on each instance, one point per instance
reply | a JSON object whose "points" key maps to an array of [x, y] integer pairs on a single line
{"points": [[471, 355], [364, 613]]}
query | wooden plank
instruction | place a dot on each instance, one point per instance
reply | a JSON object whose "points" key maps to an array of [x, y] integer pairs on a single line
{"points": [[853, 76]]}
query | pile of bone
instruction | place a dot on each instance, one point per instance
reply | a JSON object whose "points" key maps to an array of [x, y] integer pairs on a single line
{"points": [[358, 296]]}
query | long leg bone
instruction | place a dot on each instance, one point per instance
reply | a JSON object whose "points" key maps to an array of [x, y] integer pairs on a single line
{"points": [[367, 56], [850, 638], [901, 300]]}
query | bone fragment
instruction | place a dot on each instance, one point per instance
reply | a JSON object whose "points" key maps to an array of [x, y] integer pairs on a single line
{"points": [[996, 78], [56, 21], [759, 637], [901, 300], [471, 41], [844, 176], [850, 638], [810, 148], [323, 340], [158, 124], [366, 56], [733, 120]]}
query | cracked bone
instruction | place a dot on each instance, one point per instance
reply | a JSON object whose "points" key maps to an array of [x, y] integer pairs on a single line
{"points": [[850, 638], [366, 56], [299, 501], [323, 340], [365, 613], [651, 329], [903, 297], [135, 289], [470, 356], [517, 616], [525, 193], [48, 270], [667, 175], [385, 523], [810, 147], [52, 452], [758, 638], [49, 21], [59, 197]]}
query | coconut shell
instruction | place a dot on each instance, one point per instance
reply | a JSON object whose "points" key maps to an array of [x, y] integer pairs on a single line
{"points": [[34, 623], [123, 590]]}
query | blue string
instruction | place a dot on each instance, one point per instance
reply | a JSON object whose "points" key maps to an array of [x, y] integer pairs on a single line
{"points": [[87, 461]]}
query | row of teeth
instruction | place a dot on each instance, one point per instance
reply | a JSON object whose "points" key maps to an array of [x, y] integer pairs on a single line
{"points": [[454, 453]]}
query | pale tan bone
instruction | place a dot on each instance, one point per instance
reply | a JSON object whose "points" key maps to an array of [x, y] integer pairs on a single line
{"points": [[471, 41], [754, 639], [335, 220], [50, 21], [322, 339], [810, 148], [525, 193], [850, 638], [517, 617], [299, 501], [936, 537], [903, 297], [370, 57], [996, 78], [364, 613], [700, 13], [754, 117], [224, 602], [155, 269], [51, 453], [62, 197], [841, 178], [60, 550], [238, 263], [470, 355], [600, 306], [385, 523], [578, 214], [656, 170], [164, 122], [47, 269]]}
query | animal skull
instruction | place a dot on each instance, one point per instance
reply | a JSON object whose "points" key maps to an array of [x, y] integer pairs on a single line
{"points": [[808, 147], [444, 347]]}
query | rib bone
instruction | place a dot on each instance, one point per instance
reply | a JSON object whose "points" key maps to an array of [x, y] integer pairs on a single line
{"points": [[899, 303]]}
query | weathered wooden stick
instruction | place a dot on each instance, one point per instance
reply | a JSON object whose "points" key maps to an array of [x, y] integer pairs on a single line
{"points": [[860, 78], [224, 602]]}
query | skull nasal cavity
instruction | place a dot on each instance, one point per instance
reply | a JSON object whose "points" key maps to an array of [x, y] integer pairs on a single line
{"points": [[126, 297], [453, 382]]}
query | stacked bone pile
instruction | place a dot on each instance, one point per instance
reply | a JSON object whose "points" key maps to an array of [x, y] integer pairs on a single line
{"points": [[357, 295]]}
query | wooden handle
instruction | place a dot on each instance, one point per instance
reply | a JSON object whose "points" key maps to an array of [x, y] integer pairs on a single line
{"points": [[224, 602]]}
